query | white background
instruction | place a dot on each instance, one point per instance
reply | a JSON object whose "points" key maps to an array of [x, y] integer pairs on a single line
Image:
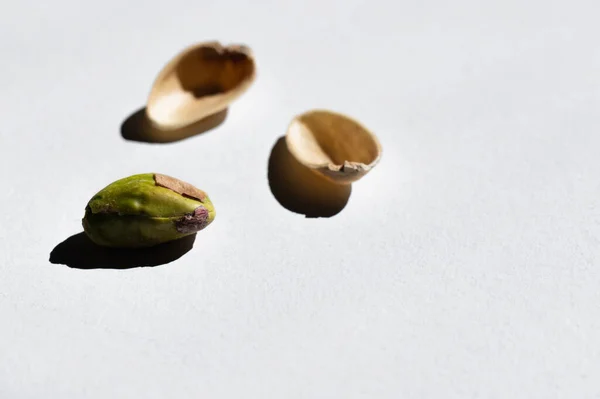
{"points": [[466, 265]]}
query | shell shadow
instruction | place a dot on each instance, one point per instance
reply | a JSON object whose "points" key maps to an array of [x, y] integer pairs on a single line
{"points": [[301, 190], [79, 252], [137, 127]]}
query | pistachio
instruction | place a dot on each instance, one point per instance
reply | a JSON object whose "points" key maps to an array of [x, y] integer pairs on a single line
{"points": [[202, 80], [333, 145], [145, 210]]}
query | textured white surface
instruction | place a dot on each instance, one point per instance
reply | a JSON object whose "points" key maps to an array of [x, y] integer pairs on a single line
{"points": [[467, 264]]}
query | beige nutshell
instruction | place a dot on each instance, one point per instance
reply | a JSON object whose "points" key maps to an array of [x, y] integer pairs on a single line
{"points": [[333, 145], [200, 81]]}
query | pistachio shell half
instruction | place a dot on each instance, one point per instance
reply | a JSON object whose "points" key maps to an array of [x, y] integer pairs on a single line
{"points": [[333, 145], [201, 80]]}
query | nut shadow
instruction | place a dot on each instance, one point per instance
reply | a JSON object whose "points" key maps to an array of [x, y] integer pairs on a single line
{"points": [[79, 252], [301, 190], [137, 127]]}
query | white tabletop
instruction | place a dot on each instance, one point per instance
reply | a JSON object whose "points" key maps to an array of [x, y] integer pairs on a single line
{"points": [[465, 265]]}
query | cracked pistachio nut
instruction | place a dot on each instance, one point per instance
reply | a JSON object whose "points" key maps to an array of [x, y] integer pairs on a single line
{"points": [[145, 210]]}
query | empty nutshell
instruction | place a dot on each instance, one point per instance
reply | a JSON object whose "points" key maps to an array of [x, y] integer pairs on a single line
{"points": [[200, 81], [144, 210], [333, 145]]}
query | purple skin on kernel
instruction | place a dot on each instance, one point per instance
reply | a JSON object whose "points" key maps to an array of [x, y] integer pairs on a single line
{"points": [[193, 222]]}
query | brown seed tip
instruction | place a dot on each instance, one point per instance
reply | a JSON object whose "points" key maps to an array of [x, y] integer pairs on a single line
{"points": [[193, 222]]}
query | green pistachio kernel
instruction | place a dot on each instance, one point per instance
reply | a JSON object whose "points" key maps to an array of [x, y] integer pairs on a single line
{"points": [[145, 210]]}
